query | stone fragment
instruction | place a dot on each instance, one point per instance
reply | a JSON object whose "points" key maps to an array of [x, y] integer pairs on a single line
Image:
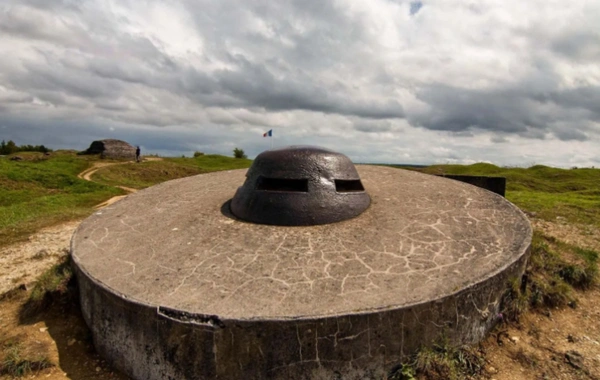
{"points": [[574, 358]]}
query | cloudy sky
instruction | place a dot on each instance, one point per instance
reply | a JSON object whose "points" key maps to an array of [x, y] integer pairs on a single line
{"points": [[506, 81]]}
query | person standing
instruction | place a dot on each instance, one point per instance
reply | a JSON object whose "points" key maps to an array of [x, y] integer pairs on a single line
{"points": [[137, 154]]}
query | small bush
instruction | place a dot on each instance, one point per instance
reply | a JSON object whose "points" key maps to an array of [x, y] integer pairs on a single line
{"points": [[239, 153], [198, 154]]}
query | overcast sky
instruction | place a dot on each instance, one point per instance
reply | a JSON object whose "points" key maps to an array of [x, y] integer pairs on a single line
{"points": [[510, 82]]}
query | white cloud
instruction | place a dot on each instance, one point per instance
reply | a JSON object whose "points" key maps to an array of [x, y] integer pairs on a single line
{"points": [[383, 81]]}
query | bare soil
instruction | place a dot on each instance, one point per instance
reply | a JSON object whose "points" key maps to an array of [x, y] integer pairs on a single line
{"points": [[549, 344], [23, 262]]}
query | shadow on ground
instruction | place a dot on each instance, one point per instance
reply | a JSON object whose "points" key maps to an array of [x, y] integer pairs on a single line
{"points": [[61, 315]]}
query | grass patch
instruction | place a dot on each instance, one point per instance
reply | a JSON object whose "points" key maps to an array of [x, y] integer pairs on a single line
{"points": [[148, 173], [441, 361], [16, 362], [554, 269], [37, 193], [56, 284]]}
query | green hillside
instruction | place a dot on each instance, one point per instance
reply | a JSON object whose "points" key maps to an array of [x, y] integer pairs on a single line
{"points": [[43, 190], [148, 173]]}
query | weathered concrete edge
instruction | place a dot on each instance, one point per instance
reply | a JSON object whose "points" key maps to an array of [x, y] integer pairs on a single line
{"points": [[147, 343], [523, 249]]}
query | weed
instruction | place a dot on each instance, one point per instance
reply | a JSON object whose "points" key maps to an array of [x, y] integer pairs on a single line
{"points": [[52, 285], [443, 361], [515, 300], [16, 363], [401, 372]]}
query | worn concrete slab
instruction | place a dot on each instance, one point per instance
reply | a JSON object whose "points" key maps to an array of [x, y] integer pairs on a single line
{"points": [[429, 254]]}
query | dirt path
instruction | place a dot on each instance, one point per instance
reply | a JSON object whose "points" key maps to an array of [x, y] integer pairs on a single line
{"points": [[87, 175]]}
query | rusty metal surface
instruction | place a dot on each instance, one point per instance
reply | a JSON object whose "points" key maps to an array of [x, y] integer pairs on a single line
{"points": [[300, 186]]}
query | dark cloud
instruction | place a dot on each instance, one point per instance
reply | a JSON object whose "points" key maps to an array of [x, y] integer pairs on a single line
{"points": [[520, 110], [272, 85], [458, 109], [570, 134], [585, 97], [372, 126], [582, 46]]}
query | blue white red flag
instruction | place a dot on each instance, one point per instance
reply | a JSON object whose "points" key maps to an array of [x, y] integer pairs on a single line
{"points": [[270, 133]]}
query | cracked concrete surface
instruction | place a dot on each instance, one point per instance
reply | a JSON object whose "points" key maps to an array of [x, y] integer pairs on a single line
{"points": [[429, 255]]}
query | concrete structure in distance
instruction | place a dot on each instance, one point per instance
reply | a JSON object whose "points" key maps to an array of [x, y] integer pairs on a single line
{"points": [[173, 286]]}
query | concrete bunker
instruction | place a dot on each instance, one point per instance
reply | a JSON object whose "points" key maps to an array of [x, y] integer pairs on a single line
{"points": [[188, 290], [111, 148]]}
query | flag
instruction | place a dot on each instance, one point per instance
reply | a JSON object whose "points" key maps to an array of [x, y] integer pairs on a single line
{"points": [[270, 133]]}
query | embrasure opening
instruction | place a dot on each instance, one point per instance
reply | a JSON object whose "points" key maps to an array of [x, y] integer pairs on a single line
{"points": [[348, 185], [282, 184]]}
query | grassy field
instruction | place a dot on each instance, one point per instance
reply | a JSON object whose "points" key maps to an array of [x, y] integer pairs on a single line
{"points": [[551, 193], [40, 191], [44, 190], [148, 173]]}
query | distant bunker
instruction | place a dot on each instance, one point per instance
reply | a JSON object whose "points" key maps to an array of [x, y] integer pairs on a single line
{"points": [[111, 148], [180, 281]]}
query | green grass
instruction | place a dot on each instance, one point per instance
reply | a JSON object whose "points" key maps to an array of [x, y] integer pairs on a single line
{"points": [[441, 361], [40, 191], [54, 280], [554, 270], [16, 362], [55, 285], [148, 173], [573, 194]]}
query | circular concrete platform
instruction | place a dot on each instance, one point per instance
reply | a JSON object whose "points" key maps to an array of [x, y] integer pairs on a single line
{"points": [[173, 286]]}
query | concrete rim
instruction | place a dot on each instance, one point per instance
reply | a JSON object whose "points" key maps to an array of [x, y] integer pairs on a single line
{"points": [[520, 250]]}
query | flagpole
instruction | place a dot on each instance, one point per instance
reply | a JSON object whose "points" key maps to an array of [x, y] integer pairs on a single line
{"points": [[271, 139]]}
